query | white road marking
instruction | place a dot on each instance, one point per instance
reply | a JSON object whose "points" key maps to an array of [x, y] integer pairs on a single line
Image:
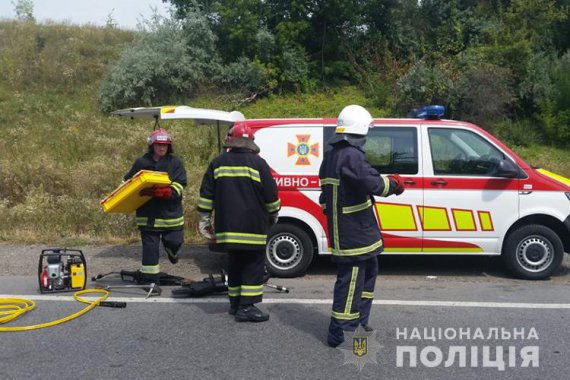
{"points": [[305, 301]]}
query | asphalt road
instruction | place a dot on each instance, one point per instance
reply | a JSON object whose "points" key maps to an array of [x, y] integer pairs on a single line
{"points": [[416, 299], [197, 261]]}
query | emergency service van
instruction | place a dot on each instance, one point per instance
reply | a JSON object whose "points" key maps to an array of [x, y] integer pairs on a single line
{"points": [[466, 192]]}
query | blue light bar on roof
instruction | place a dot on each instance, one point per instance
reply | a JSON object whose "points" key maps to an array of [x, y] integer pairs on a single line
{"points": [[430, 112]]}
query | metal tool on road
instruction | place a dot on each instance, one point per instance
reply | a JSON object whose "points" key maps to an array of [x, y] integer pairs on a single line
{"points": [[137, 277], [215, 285], [279, 288], [152, 289]]}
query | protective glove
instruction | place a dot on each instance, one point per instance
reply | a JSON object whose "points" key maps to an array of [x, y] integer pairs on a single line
{"points": [[205, 225], [400, 187], [273, 218], [157, 192]]}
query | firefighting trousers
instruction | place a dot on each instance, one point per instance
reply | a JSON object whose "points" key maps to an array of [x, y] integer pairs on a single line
{"points": [[171, 240], [245, 277], [353, 296]]}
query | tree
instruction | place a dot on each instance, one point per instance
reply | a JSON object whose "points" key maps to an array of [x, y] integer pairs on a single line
{"points": [[152, 71], [24, 10]]}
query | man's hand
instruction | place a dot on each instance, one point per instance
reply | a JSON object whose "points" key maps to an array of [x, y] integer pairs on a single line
{"points": [[157, 192], [205, 225], [400, 187]]}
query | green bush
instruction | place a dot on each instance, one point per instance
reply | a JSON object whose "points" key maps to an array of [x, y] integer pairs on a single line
{"points": [[294, 67], [242, 76], [168, 61], [423, 84], [482, 94], [554, 111], [523, 133]]}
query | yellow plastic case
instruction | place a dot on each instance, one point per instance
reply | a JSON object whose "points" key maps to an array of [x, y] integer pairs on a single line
{"points": [[126, 199]]}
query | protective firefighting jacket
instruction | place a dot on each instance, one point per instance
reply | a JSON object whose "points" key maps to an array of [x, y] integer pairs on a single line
{"points": [[348, 184], [239, 186], [160, 214]]}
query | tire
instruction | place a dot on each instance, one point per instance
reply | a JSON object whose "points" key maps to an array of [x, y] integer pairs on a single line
{"points": [[533, 252], [289, 251]]}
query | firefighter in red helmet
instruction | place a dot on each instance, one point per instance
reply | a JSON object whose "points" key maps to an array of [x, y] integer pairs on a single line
{"points": [[161, 218], [239, 186]]}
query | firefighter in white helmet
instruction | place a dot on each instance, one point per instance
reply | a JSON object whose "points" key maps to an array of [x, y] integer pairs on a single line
{"points": [[239, 186], [161, 218], [348, 184]]}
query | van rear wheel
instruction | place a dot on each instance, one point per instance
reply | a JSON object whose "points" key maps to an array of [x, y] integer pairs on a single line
{"points": [[533, 252], [289, 251]]}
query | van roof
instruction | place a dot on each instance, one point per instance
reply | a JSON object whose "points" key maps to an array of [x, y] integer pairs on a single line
{"points": [[261, 123]]}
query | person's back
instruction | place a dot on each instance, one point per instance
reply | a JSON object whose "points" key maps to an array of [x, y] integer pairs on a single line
{"points": [[239, 186], [242, 183]]}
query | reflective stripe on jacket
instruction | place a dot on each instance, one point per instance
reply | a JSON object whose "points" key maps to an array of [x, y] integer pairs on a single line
{"points": [[239, 186], [348, 184]]}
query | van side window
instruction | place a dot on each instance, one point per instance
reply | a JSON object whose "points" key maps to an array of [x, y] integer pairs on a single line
{"points": [[389, 150], [461, 152], [393, 150]]}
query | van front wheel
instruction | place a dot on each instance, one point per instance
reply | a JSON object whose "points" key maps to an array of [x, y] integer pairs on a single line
{"points": [[289, 251], [533, 252]]}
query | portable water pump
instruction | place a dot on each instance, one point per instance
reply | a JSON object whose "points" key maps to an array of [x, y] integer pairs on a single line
{"points": [[61, 270]]}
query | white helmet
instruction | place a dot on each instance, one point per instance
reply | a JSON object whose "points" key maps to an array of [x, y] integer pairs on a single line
{"points": [[354, 120]]}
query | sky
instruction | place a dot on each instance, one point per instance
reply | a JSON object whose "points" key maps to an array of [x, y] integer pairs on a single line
{"points": [[124, 12]]}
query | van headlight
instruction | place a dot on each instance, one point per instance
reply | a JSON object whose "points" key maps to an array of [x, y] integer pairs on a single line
{"points": [[568, 195]]}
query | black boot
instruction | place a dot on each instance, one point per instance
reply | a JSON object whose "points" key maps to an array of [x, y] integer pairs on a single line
{"points": [[250, 313], [367, 328], [332, 342], [172, 257], [234, 306], [335, 337]]}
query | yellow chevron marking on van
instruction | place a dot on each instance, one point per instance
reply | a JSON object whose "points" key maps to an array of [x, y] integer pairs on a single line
{"points": [[434, 218], [464, 220], [396, 217]]}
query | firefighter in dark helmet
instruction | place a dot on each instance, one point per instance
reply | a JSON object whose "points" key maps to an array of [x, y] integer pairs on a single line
{"points": [[348, 184], [239, 188], [161, 218]]}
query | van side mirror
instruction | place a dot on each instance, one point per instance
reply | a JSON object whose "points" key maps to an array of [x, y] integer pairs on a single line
{"points": [[507, 169]]}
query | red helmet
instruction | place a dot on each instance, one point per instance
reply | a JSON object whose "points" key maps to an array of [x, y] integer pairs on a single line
{"points": [[241, 136], [240, 130], [159, 136]]}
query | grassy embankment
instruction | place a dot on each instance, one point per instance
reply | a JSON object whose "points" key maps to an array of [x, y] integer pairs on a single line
{"points": [[59, 155]]}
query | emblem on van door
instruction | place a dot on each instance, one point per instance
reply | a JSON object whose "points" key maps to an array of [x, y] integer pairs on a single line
{"points": [[302, 149]]}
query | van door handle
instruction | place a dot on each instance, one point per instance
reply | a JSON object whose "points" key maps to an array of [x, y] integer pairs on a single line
{"points": [[409, 182], [439, 182]]}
